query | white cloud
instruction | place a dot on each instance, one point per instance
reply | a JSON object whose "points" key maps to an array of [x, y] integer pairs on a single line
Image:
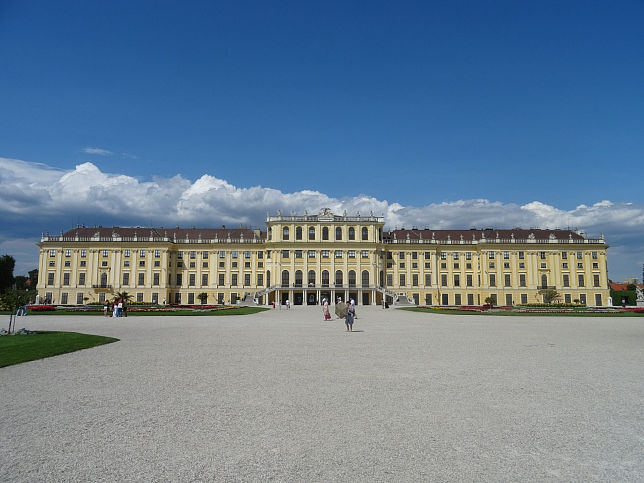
{"points": [[97, 151], [51, 199]]}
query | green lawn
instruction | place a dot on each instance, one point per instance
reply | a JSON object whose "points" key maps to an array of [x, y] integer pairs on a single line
{"points": [[186, 312], [516, 313], [15, 349]]}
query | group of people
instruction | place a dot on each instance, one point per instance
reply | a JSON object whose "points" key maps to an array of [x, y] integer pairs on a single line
{"points": [[346, 311], [117, 309]]}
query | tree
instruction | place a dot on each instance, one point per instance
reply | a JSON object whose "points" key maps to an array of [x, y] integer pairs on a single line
{"points": [[125, 297], [12, 299], [21, 282], [550, 295], [203, 297], [7, 264], [490, 301]]}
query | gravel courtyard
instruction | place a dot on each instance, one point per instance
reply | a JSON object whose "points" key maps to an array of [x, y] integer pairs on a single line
{"points": [[284, 396]]}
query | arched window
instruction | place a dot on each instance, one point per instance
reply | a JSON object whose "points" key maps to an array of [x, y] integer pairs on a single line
{"points": [[365, 278], [298, 278], [544, 281], [298, 233], [311, 233], [103, 279], [285, 233], [284, 278], [352, 278], [325, 278], [352, 233], [325, 233], [365, 233], [338, 233], [311, 280], [338, 278]]}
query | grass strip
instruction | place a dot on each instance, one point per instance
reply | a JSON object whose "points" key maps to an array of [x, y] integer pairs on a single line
{"points": [[132, 313], [15, 349]]}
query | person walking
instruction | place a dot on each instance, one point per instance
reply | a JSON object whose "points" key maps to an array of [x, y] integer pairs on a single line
{"points": [[348, 320], [325, 309], [353, 306]]}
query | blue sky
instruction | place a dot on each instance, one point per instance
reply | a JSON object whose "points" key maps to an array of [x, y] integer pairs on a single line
{"points": [[411, 104]]}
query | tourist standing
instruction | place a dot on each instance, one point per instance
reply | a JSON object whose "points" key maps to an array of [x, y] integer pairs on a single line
{"points": [[325, 309], [348, 319]]}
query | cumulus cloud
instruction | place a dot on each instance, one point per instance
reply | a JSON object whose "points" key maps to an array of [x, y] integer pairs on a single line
{"points": [[51, 199], [97, 151]]}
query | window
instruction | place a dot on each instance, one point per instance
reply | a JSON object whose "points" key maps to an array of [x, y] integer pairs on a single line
{"points": [[311, 253], [52, 253], [338, 233], [157, 263], [544, 265], [247, 254], [566, 280], [352, 233], [506, 255], [365, 233], [325, 233], [285, 233], [233, 281], [352, 253], [221, 280], [285, 254], [402, 265], [579, 256], [126, 278], [221, 264], [522, 280], [205, 264], [204, 255], [142, 253], [491, 264], [141, 278], [311, 277], [325, 253], [595, 265], [204, 279], [456, 266], [414, 280], [443, 279], [506, 265], [443, 255], [490, 255], [457, 299], [468, 280], [598, 299], [582, 298], [596, 281], [63, 298], [83, 253], [104, 253], [457, 280], [155, 278], [428, 279], [428, 265], [141, 263], [247, 264], [521, 256], [179, 279], [594, 255], [352, 278], [428, 255], [234, 253], [390, 279], [81, 278], [260, 255], [338, 278], [455, 255], [581, 280], [492, 280], [157, 253], [66, 278], [402, 279], [127, 253], [443, 265], [222, 254], [338, 254], [580, 265], [247, 275], [298, 253], [325, 278], [564, 255], [298, 236], [564, 265], [365, 278], [260, 279], [365, 253], [389, 256], [311, 233], [506, 279], [468, 255], [68, 253], [68, 263]]}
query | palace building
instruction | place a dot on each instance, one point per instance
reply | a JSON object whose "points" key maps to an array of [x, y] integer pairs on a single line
{"points": [[308, 258]]}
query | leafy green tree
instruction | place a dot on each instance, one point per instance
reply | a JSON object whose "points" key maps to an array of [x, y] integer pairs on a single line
{"points": [[550, 295], [7, 264], [490, 301], [203, 297]]}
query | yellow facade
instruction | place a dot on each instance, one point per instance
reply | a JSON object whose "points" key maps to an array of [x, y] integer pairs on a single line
{"points": [[305, 259]]}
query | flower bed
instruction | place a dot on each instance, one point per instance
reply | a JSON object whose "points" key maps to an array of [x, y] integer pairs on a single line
{"points": [[40, 308]]}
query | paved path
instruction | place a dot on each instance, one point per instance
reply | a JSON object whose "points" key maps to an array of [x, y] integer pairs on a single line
{"points": [[285, 396]]}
